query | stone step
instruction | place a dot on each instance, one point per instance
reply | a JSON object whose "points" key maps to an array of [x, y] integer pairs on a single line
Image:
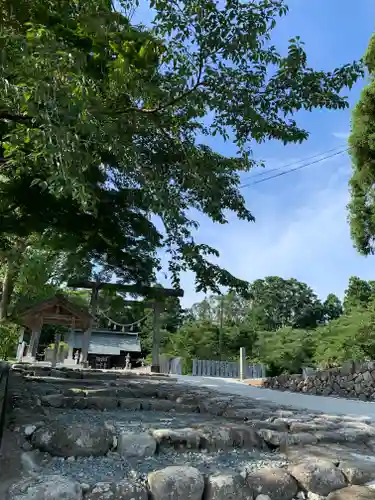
{"points": [[209, 437], [126, 391], [63, 381], [65, 372], [111, 403]]}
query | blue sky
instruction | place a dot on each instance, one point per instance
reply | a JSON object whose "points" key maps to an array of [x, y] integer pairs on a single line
{"points": [[301, 229]]}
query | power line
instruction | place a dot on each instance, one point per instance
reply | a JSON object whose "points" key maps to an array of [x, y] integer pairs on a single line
{"points": [[296, 162], [280, 174]]}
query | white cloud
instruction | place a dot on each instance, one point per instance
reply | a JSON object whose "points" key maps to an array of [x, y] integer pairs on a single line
{"points": [[301, 231]]}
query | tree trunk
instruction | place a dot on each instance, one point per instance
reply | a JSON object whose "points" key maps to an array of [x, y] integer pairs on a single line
{"points": [[7, 291]]}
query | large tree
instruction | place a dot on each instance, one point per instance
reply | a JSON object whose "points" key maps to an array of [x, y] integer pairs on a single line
{"points": [[279, 303], [283, 325], [359, 294], [285, 351], [349, 337], [332, 307], [362, 152], [102, 123]]}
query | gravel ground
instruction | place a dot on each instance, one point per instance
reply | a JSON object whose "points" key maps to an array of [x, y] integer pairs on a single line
{"points": [[136, 421], [113, 468], [92, 470]]}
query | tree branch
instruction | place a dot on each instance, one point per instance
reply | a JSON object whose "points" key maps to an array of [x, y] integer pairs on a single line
{"points": [[14, 118], [176, 99]]}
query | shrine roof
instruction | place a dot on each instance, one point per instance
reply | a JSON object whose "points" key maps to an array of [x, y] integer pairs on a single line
{"points": [[56, 310]]}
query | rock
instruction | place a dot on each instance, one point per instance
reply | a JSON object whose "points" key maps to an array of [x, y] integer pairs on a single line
{"points": [[131, 404], [45, 488], [176, 483], [122, 490], [27, 446], [31, 461], [351, 434], [165, 405], [314, 496], [276, 438], [227, 487], [273, 437], [244, 414], [74, 440], [131, 444], [214, 406], [215, 437], [221, 437], [178, 438], [347, 368], [310, 426], [124, 392], [105, 392], [333, 452], [318, 476], [301, 438], [353, 493], [279, 425], [55, 400], [188, 399], [330, 436], [358, 471], [85, 487], [110, 426], [29, 430], [276, 483], [101, 403]]}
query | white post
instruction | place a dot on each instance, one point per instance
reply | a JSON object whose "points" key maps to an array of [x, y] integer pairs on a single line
{"points": [[242, 363]]}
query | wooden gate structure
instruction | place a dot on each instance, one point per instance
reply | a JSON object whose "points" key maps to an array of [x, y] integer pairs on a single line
{"points": [[58, 310], [156, 297]]}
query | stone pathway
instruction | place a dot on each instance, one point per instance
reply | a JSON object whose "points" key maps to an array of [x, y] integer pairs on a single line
{"points": [[93, 435]]}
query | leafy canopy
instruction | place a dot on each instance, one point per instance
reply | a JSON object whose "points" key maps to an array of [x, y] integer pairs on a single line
{"points": [[102, 123], [332, 307], [362, 150], [280, 303], [359, 294]]}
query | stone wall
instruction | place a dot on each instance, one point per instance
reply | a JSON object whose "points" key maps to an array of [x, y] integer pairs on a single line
{"points": [[353, 381]]}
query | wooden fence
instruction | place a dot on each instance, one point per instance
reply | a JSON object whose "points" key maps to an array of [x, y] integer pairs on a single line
{"points": [[225, 369], [170, 365]]}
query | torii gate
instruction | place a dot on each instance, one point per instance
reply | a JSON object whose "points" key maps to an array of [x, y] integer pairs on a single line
{"points": [[156, 294]]}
